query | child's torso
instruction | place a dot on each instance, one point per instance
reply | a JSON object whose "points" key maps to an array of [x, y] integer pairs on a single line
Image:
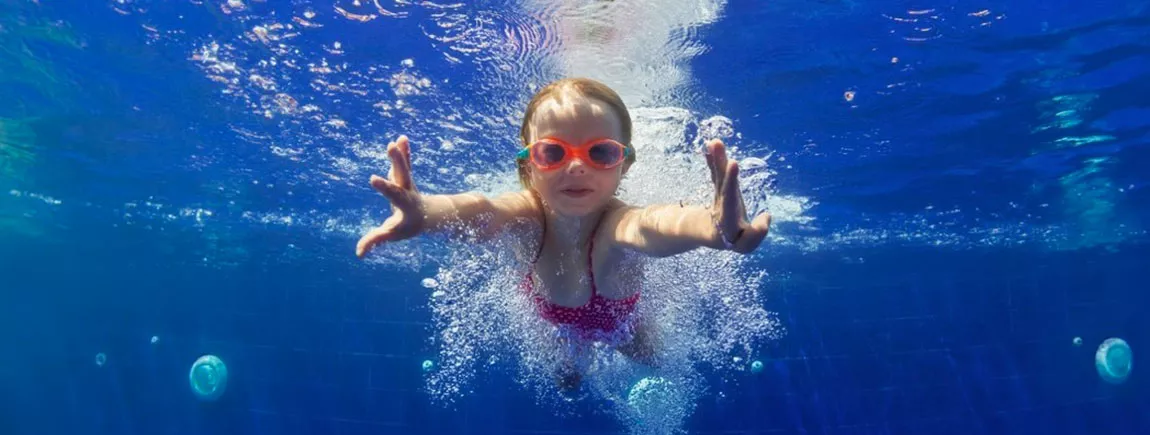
{"points": [[562, 278]]}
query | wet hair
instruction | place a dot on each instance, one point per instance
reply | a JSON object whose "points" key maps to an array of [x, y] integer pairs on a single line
{"points": [[581, 86]]}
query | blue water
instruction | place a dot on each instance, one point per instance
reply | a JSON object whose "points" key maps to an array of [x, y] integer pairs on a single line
{"points": [[960, 191]]}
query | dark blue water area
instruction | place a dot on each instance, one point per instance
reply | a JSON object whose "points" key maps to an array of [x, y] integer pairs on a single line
{"points": [[954, 120], [877, 341]]}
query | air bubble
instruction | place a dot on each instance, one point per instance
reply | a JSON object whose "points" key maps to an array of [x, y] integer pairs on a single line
{"points": [[1114, 360], [101, 359], [651, 399], [752, 163], [429, 283], [208, 377], [757, 366]]}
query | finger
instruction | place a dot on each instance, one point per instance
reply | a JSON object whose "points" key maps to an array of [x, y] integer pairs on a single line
{"points": [[713, 147], [731, 198], [404, 146], [719, 151], [374, 237], [391, 158], [762, 223], [398, 164], [754, 235], [389, 189], [711, 166]]}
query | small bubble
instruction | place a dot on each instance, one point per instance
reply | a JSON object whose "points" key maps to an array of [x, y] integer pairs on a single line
{"points": [[849, 96], [101, 359], [1077, 341], [894, 60], [429, 283], [756, 366], [155, 339], [408, 63], [427, 365]]}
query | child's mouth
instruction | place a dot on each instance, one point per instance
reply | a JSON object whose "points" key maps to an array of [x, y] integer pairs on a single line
{"points": [[577, 193]]}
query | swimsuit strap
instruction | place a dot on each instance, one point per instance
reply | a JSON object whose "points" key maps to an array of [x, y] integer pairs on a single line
{"points": [[543, 236], [591, 247]]}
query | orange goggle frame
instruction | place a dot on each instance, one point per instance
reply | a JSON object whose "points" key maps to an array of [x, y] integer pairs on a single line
{"points": [[551, 153]]}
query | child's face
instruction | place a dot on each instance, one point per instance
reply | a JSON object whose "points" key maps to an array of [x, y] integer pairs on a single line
{"points": [[576, 189]]}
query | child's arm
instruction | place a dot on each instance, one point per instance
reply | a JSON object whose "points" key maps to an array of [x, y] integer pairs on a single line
{"points": [[414, 213], [473, 210], [665, 230]]}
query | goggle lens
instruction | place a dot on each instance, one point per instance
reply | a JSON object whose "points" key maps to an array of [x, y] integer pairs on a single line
{"points": [[605, 153], [550, 154]]}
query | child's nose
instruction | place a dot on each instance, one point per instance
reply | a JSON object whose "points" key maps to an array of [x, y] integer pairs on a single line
{"points": [[576, 166]]}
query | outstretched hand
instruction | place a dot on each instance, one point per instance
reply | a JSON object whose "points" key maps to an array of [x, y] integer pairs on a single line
{"points": [[406, 220], [728, 212]]}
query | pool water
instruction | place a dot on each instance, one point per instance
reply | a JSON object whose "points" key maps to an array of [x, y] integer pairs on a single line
{"points": [[958, 190]]}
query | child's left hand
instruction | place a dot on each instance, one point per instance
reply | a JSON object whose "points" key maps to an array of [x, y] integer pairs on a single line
{"points": [[728, 212]]}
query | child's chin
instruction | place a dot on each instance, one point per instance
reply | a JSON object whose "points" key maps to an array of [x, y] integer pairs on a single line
{"points": [[576, 209]]}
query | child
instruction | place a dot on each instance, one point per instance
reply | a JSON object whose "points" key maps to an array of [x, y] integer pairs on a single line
{"points": [[576, 137]]}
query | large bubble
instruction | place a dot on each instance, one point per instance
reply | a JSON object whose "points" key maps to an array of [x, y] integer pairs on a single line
{"points": [[208, 377], [650, 398], [1114, 360]]}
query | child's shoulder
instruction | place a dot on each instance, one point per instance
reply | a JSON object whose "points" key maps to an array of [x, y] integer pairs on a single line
{"points": [[615, 215], [518, 204], [616, 210]]}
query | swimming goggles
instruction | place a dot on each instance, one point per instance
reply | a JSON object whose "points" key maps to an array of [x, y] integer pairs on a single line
{"points": [[550, 153]]}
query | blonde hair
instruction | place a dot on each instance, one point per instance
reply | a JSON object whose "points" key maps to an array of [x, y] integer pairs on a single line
{"points": [[583, 86]]}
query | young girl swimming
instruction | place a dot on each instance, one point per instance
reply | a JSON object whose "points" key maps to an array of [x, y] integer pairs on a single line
{"points": [[583, 276]]}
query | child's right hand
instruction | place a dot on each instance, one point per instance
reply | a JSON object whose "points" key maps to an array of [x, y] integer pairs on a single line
{"points": [[406, 220]]}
